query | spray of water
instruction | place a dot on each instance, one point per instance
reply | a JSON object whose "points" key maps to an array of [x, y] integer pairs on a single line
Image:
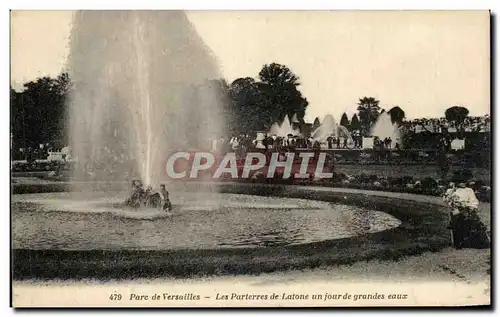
{"points": [[329, 128], [283, 129], [384, 128], [142, 88]]}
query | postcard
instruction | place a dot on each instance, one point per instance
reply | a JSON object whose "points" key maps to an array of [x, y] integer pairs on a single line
{"points": [[250, 158]]}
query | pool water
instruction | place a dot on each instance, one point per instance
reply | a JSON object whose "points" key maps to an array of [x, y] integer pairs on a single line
{"points": [[97, 220]]}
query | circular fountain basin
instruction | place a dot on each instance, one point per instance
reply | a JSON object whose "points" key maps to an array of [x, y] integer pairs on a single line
{"points": [[83, 221], [244, 229]]}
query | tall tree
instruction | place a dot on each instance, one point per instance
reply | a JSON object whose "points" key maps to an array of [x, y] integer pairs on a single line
{"points": [[344, 120], [355, 125], [279, 90], [368, 112], [457, 114], [17, 120], [277, 74], [246, 107], [241, 84], [316, 123], [39, 111], [397, 115]]}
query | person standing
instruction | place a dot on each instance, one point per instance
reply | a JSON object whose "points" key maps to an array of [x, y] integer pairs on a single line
{"points": [[329, 140], [443, 161]]}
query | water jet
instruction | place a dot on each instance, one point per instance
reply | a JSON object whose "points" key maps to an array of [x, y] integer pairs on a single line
{"points": [[143, 86]]}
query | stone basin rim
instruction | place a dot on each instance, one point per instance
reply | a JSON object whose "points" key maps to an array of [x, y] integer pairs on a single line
{"points": [[422, 229]]}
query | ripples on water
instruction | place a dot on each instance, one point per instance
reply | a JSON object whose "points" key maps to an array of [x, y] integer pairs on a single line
{"points": [[93, 221]]}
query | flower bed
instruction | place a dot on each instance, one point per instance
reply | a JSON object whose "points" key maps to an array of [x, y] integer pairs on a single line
{"points": [[406, 184]]}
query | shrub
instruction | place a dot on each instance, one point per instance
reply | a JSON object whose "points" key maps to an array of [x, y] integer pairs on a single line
{"points": [[363, 178], [339, 177], [429, 183], [478, 185], [484, 194], [407, 179], [397, 181], [462, 176], [442, 182]]}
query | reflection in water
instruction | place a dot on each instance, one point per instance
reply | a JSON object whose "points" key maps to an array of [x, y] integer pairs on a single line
{"points": [[209, 221], [264, 239]]}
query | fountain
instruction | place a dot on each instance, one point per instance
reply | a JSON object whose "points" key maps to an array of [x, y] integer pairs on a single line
{"points": [[142, 89], [283, 129], [329, 128], [384, 128]]}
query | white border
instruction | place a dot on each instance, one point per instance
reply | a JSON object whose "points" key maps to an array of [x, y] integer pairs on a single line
{"points": [[259, 5]]}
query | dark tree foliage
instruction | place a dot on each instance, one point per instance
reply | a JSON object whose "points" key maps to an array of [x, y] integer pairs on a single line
{"points": [[245, 104], [38, 113], [397, 115], [276, 74], [259, 104], [316, 123], [457, 114], [355, 125], [279, 90], [344, 120], [368, 112]]}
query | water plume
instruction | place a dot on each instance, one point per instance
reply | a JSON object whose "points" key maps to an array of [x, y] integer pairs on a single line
{"points": [[283, 129], [142, 88], [384, 128], [329, 128]]}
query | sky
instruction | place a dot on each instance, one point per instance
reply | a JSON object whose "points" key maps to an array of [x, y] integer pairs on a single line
{"points": [[423, 62]]}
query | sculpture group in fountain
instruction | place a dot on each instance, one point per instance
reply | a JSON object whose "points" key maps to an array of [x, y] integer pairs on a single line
{"points": [[148, 198]]}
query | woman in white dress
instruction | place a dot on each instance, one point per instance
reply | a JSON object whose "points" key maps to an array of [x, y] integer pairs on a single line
{"points": [[467, 229]]}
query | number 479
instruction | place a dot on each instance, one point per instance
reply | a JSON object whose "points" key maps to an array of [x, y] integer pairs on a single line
{"points": [[115, 297]]}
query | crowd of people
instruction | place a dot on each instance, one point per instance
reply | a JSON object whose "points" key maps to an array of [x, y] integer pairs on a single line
{"points": [[440, 125], [244, 143], [278, 143]]}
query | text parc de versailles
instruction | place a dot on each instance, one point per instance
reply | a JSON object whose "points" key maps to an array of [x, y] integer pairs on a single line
{"points": [[273, 296]]}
